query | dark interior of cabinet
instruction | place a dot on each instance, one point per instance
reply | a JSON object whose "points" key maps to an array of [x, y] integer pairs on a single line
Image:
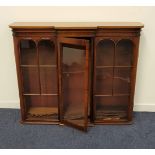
{"points": [[39, 76]]}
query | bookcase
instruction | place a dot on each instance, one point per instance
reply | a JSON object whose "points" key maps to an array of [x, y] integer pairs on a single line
{"points": [[76, 74]]}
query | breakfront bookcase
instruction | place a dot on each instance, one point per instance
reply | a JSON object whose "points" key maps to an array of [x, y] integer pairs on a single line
{"points": [[76, 74]]}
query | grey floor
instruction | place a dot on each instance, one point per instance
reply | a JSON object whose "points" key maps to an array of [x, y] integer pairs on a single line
{"points": [[141, 134]]}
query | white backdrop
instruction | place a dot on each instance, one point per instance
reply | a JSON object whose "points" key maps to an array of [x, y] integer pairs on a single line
{"points": [[145, 86]]}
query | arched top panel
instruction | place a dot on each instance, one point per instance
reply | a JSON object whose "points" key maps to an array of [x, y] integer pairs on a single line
{"points": [[47, 54], [105, 53], [124, 53], [28, 52]]}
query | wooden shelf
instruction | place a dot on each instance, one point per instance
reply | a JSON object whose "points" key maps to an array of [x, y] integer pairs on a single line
{"points": [[48, 66], [28, 65], [37, 113], [73, 72], [114, 67], [111, 114], [104, 95], [41, 94], [53, 66]]}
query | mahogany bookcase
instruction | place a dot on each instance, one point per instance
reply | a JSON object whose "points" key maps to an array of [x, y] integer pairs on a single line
{"points": [[76, 73]]}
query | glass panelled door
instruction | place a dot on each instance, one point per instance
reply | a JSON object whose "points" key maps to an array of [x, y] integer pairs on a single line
{"points": [[74, 82], [39, 77], [112, 82]]}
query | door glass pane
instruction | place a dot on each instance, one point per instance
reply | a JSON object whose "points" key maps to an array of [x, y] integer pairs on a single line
{"points": [[73, 69], [105, 53], [104, 80], [47, 67], [28, 52], [124, 53], [112, 85], [48, 78], [122, 80], [45, 106], [28, 57], [47, 54], [30, 80]]}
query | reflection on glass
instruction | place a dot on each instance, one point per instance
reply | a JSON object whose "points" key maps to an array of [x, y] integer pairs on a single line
{"points": [[73, 84], [73, 59]]}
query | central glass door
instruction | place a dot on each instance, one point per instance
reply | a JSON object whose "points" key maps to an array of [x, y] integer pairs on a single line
{"points": [[74, 82]]}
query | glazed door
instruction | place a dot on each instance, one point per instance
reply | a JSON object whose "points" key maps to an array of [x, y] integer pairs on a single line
{"points": [[38, 68], [73, 54], [113, 67]]}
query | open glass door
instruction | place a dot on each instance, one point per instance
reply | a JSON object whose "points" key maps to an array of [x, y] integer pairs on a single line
{"points": [[73, 54]]}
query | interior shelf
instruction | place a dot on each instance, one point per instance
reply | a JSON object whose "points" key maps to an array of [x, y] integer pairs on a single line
{"points": [[40, 94], [38, 65], [114, 66], [111, 95], [112, 113], [47, 66], [28, 65], [73, 72], [46, 113]]}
